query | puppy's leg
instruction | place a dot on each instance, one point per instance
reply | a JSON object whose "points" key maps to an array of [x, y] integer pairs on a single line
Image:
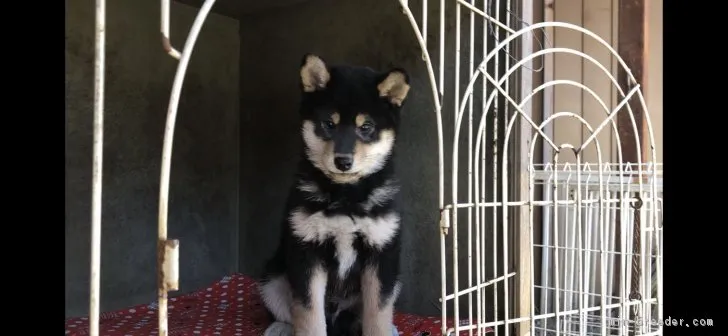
{"points": [[307, 310], [279, 329], [378, 303], [277, 297]]}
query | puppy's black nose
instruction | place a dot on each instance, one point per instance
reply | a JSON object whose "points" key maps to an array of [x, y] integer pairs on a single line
{"points": [[343, 163]]}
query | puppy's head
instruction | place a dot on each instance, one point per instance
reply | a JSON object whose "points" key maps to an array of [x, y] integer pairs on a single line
{"points": [[350, 117]]}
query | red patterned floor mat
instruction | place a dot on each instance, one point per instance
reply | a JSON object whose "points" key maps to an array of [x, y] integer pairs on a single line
{"points": [[230, 307]]}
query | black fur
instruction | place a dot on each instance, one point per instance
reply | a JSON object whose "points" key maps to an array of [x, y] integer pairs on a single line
{"points": [[350, 91]]}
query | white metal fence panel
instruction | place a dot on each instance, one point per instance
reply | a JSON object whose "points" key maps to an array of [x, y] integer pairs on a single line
{"points": [[594, 233]]}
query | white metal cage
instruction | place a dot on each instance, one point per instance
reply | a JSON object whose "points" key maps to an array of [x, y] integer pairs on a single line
{"points": [[533, 235]]}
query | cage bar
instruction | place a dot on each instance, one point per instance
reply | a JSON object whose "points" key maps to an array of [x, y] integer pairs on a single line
{"points": [[98, 165], [166, 41]]}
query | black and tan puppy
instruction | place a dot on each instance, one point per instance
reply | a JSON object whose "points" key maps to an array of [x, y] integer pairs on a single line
{"points": [[336, 270]]}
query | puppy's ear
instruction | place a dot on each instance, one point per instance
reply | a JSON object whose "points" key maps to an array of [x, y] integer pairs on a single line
{"points": [[394, 86], [314, 74]]}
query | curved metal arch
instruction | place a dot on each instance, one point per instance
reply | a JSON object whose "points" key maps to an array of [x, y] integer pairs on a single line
{"points": [[620, 60], [584, 88], [539, 130], [481, 128], [440, 149], [435, 95], [584, 31], [166, 260], [548, 121], [468, 93]]}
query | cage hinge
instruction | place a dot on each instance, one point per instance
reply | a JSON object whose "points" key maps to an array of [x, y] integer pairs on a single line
{"points": [[445, 220], [170, 264]]}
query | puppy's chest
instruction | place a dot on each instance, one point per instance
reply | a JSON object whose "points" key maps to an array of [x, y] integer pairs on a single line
{"points": [[347, 234], [317, 227]]}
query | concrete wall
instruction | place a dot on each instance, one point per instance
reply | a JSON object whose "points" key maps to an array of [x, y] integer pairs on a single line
{"points": [[204, 183]]}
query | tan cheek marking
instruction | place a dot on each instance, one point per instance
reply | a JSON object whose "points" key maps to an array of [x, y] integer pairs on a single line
{"points": [[362, 150], [336, 118], [386, 135], [360, 119]]}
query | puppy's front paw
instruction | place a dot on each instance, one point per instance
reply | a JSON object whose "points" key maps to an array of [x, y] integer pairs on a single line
{"points": [[279, 329]]}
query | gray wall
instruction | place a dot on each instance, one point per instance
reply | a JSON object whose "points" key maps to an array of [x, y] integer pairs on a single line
{"points": [[373, 33], [204, 182]]}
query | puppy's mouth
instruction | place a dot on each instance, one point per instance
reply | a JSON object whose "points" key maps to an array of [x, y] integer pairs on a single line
{"points": [[343, 177]]}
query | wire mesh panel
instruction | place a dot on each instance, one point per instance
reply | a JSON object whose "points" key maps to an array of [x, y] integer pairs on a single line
{"points": [[540, 233], [587, 265]]}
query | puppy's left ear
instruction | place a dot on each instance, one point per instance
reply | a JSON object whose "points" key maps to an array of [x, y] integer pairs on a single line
{"points": [[394, 86]]}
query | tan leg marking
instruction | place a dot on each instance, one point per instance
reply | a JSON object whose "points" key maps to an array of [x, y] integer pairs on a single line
{"points": [[377, 315], [311, 321]]}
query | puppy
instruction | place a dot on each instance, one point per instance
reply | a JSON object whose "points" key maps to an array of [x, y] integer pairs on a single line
{"points": [[336, 269]]}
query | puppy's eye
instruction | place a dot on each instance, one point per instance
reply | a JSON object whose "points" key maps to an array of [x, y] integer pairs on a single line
{"points": [[366, 128], [328, 124]]}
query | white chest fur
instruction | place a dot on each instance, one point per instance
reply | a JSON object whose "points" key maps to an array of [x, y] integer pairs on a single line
{"points": [[317, 227]]}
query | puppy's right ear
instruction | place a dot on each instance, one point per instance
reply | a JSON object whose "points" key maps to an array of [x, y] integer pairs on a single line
{"points": [[314, 75]]}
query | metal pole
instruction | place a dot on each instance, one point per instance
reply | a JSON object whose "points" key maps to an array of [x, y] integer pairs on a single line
{"points": [[98, 148]]}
